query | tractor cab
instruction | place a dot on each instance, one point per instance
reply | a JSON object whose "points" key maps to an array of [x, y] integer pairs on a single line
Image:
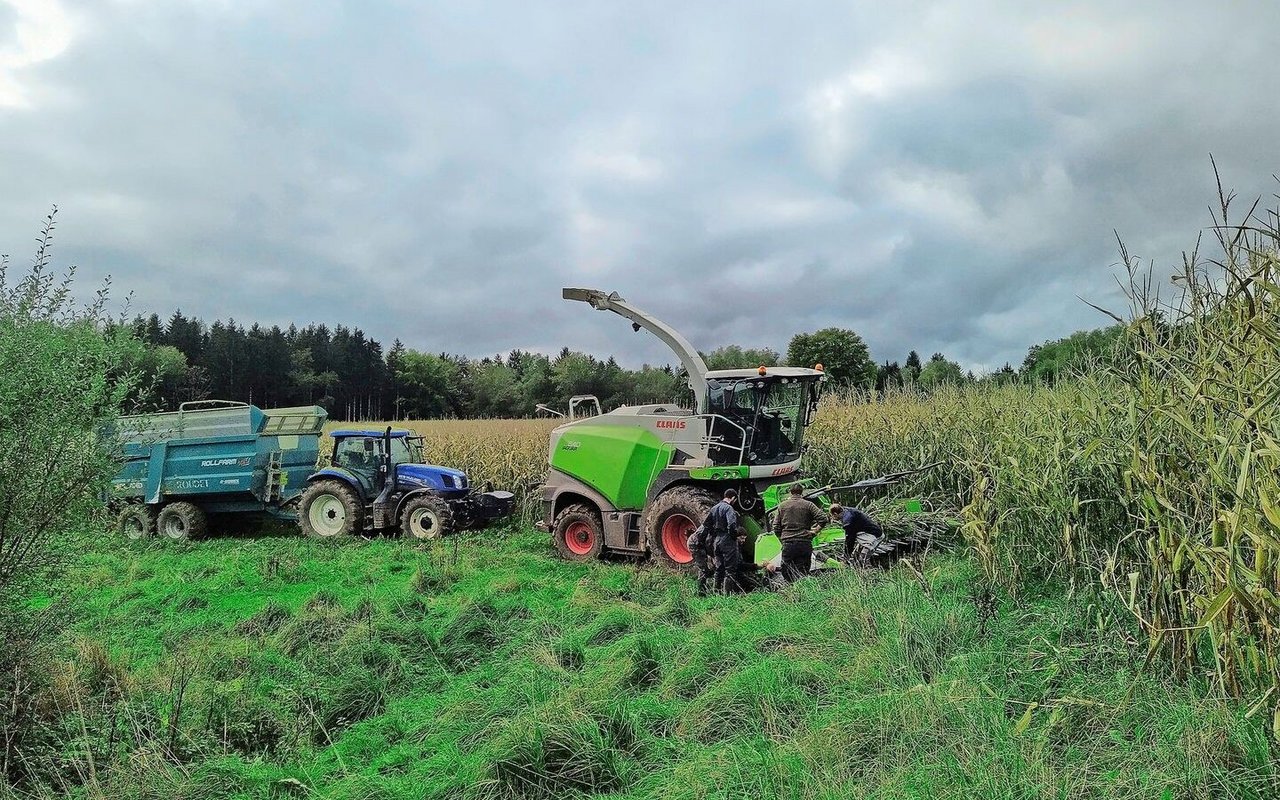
{"points": [[764, 413], [371, 456]]}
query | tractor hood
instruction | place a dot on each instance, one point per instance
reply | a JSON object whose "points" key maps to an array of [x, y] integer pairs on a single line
{"points": [[430, 476]]}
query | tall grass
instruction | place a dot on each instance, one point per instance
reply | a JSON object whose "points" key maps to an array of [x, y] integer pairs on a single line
{"points": [[376, 670]]}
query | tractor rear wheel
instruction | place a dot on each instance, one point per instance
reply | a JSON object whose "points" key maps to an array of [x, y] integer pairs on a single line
{"points": [[330, 509], [182, 520], [136, 521], [426, 516], [578, 534], [669, 521]]}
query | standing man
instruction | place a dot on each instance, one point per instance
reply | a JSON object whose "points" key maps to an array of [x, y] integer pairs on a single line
{"points": [[721, 530], [854, 522], [795, 522]]}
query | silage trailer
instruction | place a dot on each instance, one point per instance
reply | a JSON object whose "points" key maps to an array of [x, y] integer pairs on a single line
{"points": [[212, 457]]}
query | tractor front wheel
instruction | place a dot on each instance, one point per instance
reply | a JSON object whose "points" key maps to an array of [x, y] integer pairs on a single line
{"points": [[330, 509], [182, 520], [669, 521], [425, 517], [578, 534], [136, 521]]}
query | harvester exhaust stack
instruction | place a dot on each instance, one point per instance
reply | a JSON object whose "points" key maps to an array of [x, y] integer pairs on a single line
{"points": [[688, 355]]}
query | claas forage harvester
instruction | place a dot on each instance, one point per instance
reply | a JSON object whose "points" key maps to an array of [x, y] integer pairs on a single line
{"points": [[637, 480]]}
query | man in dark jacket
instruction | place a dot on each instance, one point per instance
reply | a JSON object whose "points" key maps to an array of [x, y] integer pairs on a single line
{"points": [[855, 522], [721, 528], [795, 522]]}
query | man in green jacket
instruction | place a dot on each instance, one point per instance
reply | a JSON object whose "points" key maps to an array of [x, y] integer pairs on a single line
{"points": [[796, 521]]}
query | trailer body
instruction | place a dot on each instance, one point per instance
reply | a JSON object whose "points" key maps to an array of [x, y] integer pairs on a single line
{"points": [[221, 457]]}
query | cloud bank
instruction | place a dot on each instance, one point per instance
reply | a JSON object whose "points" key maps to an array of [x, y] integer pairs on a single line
{"points": [[942, 177]]}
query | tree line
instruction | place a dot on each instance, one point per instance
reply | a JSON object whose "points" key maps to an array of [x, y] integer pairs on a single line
{"points": [[349, 373]]}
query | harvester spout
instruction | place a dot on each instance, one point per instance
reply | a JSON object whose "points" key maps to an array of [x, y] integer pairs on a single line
{"points": [[689, 358]]}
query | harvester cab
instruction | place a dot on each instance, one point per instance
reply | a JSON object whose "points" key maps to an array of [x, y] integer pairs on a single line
{"points": [[762, 414], [639, 479], [377, 480]]}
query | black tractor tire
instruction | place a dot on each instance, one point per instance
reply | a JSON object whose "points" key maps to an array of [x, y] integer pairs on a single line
{"points": [[181, 521], [330, 510], [136, 521], [670, 519], [578, 534], [424, 517]]}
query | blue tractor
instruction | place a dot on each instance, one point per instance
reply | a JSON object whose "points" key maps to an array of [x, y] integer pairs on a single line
{"points": [[377, 481]]}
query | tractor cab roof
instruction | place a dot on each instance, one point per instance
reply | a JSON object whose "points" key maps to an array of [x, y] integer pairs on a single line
{"points": [[769, 372], [344, 433]]}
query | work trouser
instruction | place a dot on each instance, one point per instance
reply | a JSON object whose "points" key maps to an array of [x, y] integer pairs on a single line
{"points": [[728, 561], [797, 557], [704, 563]]}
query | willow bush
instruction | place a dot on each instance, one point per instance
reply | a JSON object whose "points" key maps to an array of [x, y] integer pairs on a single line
{"points": [[63, 378]]}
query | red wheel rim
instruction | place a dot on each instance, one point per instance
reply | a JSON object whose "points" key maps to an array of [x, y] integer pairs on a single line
{"points": [[675, 538], [579, 538]]}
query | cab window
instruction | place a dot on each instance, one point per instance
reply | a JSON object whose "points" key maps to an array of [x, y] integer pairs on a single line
{"points": [[356, 453]]}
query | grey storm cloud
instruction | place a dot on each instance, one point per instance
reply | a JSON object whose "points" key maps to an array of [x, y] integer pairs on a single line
{"points": [[938, 177]]}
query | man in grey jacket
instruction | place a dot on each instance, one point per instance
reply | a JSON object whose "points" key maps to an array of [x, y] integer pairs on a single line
{"points": [[795, 522]]}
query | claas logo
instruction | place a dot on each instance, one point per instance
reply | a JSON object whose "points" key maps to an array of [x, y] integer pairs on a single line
{"points": [[677, 424]]}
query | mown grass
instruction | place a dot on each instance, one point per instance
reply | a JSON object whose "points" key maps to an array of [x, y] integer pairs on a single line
{"points": [[278, 667]]}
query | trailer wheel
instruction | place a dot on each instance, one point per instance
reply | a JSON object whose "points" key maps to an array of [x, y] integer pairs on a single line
{"points": [[669, 521], [136, 521], [330, 509], [182, 520], [578, 534], [426, 516]]}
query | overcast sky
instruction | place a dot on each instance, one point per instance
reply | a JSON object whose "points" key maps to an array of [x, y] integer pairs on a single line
{"points": [[936, 176]]}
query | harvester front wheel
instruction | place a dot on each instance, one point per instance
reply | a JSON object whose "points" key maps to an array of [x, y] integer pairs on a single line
{"points": [[578, 534], [330, 509], [669, 521], [136, 521], [182, 520], [425, 517]]}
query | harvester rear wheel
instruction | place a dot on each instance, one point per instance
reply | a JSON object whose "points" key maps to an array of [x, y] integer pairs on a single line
{"points": [[182, 520], [330, 509], [578, 534], [425, 517], [136, 521], [669, 521]]}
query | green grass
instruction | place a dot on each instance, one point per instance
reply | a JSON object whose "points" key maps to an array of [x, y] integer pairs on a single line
{"points": [[375, 669]]}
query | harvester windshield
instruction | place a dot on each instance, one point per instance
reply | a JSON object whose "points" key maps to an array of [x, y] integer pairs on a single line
{"points": [[772, 412]]}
